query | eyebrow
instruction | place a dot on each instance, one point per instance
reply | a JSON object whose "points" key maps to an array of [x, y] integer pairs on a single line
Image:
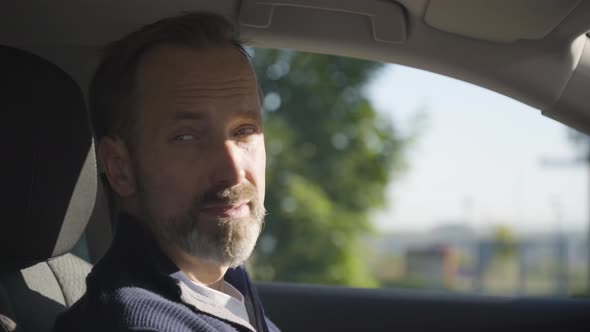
{"points": [[249, 113], [183, 115], [200, 116]]}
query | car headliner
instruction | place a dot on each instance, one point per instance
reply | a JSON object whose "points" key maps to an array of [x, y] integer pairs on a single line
{"points": [[535, 51]]}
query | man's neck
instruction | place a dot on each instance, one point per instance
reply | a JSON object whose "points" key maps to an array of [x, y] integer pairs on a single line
{"points": [[197, 270]]}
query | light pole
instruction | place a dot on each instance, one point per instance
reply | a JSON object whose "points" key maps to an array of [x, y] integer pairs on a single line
{"points": [[560, 163]]}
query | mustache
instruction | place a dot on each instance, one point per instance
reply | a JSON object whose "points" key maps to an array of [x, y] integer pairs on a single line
{"points": [[224, 195]]}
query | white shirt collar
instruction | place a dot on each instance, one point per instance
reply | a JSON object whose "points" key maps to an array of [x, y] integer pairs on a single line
{"points": [[227, 297]]}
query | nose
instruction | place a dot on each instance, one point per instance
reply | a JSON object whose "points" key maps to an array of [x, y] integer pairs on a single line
{"points": [[227, 169]]}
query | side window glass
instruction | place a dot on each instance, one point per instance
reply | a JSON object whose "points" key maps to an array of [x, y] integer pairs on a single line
{"points": [[381, 175]]}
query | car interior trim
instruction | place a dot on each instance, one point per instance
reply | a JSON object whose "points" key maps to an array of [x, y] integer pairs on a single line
{"points": [[388, 20]]}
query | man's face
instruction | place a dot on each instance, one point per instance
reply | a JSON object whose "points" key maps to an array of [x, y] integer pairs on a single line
{"points": [[199, 158]]}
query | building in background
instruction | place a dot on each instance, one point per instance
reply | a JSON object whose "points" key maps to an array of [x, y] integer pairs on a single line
{"points": [[436, 265]]}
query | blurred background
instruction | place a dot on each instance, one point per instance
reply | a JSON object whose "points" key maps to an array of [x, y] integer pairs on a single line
{"points": [[387, 176]]}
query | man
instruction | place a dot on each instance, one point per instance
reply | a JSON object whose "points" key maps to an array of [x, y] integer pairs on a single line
{"points": [[177, 119]]}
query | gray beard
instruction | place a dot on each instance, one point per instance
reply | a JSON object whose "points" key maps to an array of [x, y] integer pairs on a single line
{"points": [[225, 242]]}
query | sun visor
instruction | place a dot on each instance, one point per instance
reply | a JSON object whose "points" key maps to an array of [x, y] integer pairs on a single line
{"points": [[498, 21], [381, 21], [573, 107]]}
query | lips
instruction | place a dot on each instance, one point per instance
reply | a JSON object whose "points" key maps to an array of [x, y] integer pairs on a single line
{"points": [[237, 210]]}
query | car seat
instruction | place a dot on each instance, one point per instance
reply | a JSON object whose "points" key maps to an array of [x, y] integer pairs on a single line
{"points": [[49, 190]]}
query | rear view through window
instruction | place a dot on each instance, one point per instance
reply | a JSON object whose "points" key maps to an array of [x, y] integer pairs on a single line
{"points": [[387, 176]]}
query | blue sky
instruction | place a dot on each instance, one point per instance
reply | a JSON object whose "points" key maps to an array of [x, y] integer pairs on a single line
{"points": [[478, 159]]}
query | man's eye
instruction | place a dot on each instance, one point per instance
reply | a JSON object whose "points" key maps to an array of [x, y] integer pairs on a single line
{"points": [[185, 137], [246, 131]]}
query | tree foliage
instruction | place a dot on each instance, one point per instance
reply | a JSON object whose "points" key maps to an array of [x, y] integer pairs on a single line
{"points": [[330, 156], [505, 241]]}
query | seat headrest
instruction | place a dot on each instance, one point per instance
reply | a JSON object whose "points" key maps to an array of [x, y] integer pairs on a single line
{"points": [[48, 160]]}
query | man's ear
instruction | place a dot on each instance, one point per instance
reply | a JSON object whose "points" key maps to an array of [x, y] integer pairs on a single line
{"points": [[116, 162]]}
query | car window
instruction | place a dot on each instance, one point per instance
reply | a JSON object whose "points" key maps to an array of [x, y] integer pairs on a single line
{"points": [[381, 175]]}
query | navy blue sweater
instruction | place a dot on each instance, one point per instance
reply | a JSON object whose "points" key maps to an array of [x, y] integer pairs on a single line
{"points": [[135, 287]]}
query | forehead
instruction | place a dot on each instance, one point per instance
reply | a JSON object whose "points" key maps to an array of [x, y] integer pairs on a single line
{"points": [[171, 78]]}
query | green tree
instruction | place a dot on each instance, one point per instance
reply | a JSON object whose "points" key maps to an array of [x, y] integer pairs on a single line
{"points": [[505, 241], [330, 157]]}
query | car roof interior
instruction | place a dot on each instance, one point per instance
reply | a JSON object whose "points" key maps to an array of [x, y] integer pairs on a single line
{"points": [[534, 51]]}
